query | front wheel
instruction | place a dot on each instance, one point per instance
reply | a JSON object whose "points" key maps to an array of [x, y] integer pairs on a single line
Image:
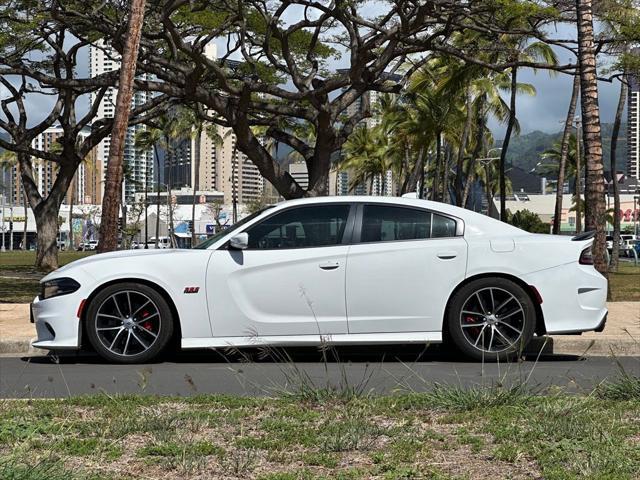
{"points": [[129, 323], [491, 319]]}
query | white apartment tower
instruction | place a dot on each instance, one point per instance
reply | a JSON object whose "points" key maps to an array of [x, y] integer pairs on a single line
{"points": [[139, 165], [633, 124]]}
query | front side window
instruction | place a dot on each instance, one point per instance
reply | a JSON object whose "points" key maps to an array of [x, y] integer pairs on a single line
{"points": [[302, 227], [383, 223]]}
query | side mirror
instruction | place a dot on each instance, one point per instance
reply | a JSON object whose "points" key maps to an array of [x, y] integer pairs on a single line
{"points": [[239, 241]]}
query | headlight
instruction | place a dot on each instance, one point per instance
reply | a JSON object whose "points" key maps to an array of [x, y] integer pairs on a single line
{"points": [[57, 287]]}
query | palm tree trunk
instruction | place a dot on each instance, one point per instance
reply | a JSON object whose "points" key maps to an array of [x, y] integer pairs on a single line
{"points": [[564, 153], [114, 176], [461, 149], [172, 237], [615, 250], [505, 144], [595, 218], [155, 153], [578, 181], [445, 173], [479, 140], [436, 176]]}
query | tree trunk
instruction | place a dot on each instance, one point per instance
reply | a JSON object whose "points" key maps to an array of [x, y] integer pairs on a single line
{"points": [[461, 149], [578, 181], [595, 218], [155, 154], [481, 122], [445, 173], [505, 144], [411, 183], [615, 249], [564, 153], [46, 215], [172, 237], [435, 187], [115, 172]]}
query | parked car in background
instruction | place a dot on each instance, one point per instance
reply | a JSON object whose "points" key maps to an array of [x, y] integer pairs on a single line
{"points": [[629, 247], [331, 270], [163, 242], [90, 245]]}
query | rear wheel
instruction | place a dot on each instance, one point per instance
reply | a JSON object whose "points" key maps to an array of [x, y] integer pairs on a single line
{"points": [[129, 323], [491, 319]]}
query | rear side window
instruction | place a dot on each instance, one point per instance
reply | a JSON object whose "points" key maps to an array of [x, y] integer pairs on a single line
{"points": [[383, 223]]}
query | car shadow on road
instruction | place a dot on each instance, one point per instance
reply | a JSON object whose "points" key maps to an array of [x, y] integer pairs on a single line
{"points": [[345, 354]]}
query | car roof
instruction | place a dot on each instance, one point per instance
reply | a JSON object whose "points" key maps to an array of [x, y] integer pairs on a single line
{"points": [[480, 224]]}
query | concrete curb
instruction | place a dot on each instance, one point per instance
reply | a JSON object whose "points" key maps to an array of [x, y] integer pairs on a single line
{"points": [[21, 347]]}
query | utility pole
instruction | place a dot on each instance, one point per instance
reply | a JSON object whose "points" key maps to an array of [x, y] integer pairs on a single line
{"points": [[3, 249], [11, 225]]}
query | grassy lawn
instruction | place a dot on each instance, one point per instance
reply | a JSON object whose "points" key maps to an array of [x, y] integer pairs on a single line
{"points": [[447, 434], [625, 284], [18, 277]]}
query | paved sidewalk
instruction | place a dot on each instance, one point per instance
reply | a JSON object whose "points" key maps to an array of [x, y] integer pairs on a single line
{"points": [[621, 335]]}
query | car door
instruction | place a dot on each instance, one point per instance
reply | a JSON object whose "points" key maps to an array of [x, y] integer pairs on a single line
{"points": [[291, 278], [402, 268]]}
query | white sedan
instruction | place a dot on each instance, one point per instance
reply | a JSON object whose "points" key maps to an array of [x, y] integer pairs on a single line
{"points": [[334, 270]]}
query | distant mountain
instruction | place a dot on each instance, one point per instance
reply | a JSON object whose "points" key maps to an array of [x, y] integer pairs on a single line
{"points": [[525, 150]]}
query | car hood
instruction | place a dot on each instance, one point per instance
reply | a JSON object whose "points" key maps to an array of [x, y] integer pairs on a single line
{"points": [[92, 260]]}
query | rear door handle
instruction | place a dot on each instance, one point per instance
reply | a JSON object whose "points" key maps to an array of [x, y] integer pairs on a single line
{"points": [[329, 265], [447, 255]]}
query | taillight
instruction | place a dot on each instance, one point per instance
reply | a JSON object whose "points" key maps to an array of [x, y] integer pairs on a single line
{"points": [[586, 258]]}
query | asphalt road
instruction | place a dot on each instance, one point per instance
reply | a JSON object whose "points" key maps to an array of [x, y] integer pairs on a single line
{"points": [[377, 369]]}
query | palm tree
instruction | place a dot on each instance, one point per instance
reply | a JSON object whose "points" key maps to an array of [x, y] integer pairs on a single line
{"points": [[564, 149], [594, 192], [114, 175], [615, 250], [365, 155], [520, 49]]}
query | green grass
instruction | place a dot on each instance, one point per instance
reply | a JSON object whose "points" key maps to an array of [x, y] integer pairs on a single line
{"points": [[474, 433], [625, 284], [19, 278]]}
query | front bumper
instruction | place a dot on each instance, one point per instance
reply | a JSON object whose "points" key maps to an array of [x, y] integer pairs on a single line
{"points": [[574, 298], [57, 326]]}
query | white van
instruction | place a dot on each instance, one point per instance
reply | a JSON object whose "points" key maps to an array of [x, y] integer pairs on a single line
{"points": [[163, 242]]}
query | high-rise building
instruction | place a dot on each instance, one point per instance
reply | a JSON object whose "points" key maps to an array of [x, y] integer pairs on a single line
{"points": [[226, 169], [86, 186], [369, 101], [633, 124], [138, 164]]}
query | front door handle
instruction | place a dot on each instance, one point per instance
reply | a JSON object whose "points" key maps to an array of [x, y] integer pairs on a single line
{"points": [[329, 265], [447, 255]]}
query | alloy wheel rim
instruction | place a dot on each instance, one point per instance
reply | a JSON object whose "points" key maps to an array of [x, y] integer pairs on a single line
{"points": [[128, 323], [492, 320]]}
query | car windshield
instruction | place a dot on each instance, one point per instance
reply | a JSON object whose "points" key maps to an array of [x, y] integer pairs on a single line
{"points": [[211, 240]]}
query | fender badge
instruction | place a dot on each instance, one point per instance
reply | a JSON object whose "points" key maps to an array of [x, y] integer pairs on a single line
{"points": [[191, 289]]}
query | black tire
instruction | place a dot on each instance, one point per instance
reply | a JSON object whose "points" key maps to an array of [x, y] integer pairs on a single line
{"points": [[494, 339], [152, 317]]}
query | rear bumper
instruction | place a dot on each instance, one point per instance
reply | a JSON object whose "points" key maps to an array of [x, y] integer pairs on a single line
{"points": [[574, 298]]}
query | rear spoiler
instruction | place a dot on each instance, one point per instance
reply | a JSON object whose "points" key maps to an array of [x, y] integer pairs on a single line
{"points": [[584, 236]]}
